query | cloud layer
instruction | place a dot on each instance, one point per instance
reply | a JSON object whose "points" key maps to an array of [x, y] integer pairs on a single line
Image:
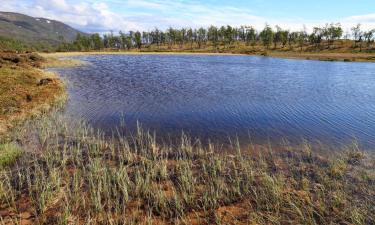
{"points": [[95, 16]]}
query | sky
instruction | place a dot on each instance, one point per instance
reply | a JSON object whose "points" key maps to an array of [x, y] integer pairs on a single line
{"points": [[144, 15]]}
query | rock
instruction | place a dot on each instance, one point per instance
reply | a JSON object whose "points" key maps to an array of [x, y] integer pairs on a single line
{"points": [[35, 57], [29, 98], [25, 215], [45, 81], [27, 222], [16, 60]]}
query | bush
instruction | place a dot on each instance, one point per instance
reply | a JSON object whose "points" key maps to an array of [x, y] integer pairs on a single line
{"points": [[7, 44]]}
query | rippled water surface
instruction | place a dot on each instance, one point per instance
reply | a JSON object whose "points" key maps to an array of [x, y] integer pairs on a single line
{"points": [[212, 97]]}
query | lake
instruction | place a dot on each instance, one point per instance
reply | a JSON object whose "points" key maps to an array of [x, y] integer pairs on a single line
{"points": [[257, 99]]}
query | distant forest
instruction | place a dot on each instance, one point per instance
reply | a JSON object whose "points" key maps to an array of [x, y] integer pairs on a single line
{"points": [[222, 37], [244, 39]]}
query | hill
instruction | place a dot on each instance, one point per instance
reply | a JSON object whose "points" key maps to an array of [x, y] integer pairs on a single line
{"points": [[35, 31]]}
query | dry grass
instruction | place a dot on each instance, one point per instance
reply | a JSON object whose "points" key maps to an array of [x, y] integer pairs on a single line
{"points": [[57, 61], [78, 176]]}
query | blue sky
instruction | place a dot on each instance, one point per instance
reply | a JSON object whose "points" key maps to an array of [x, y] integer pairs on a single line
{"points": [[103, 16]]}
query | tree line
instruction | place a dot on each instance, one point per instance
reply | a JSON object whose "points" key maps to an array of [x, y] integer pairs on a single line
{"points": [[220, 36]]}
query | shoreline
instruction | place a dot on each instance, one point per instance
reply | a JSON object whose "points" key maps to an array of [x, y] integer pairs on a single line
{"points": [[321, 56], [70, 54]]}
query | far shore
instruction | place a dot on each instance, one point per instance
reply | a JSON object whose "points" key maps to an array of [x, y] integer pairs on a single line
{"points": [[321, 56], [67, 54]]}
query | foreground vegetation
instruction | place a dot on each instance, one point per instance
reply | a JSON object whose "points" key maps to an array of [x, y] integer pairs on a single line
{"points": [[71, 174]]}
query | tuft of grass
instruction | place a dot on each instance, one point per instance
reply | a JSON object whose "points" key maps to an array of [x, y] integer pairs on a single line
{"points": [[9, 153], [59, 62]]}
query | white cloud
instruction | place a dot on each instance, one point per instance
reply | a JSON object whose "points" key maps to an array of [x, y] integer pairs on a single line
{"points": [[367, 21], [95, 16]]}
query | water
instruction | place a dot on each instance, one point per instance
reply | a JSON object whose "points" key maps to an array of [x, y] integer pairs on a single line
{"points": [[214, 97]]}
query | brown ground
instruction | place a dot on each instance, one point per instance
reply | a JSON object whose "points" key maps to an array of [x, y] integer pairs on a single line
{"points": [[327, 56]]}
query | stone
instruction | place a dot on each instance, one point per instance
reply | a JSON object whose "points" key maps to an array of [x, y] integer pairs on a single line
{"points": [[45, 81]]}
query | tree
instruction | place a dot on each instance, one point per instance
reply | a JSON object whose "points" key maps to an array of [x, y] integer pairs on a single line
{"points": [[190, 37], [284, 37], [213, 36], [357, 35], [251, 36], [292, 38], [201, 34], [228, 34], [267, 36], [281, 36], [369, 36], [301, 38], [316, 36], [138, 39], [333, 32], [277, 37], [97, 42]]}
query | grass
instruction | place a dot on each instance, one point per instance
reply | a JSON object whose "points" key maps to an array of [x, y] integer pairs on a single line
{"points": [[9, 154], [75, 175], [55, 61]]}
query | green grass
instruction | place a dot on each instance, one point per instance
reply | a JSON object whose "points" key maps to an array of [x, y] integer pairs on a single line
{"points": [[9, 153]]}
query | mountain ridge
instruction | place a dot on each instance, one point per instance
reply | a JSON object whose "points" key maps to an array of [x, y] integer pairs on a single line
{"points": [[35, 30]]}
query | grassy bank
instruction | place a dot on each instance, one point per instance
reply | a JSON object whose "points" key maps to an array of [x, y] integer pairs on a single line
{"points": [[25, 89], [74, 175]]}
